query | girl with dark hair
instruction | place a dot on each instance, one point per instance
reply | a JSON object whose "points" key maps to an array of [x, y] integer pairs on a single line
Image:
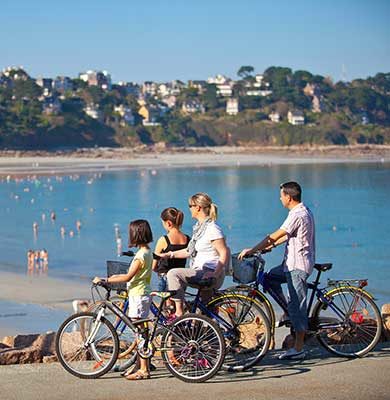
{"points": [[172, 220], [138, 283]]}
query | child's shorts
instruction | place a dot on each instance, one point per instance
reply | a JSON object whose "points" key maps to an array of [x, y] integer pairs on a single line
{"points": [[139, 306]]}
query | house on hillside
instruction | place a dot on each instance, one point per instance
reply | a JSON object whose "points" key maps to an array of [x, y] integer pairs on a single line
{"points": [[150, 115], [232, 106], [126, 114], [199, 85], [101, 79], [192, 106], [274, 117], [62, 84], [296, 117], [92, 110], [51, 105]]}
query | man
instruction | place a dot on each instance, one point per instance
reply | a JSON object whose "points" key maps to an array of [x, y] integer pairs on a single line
{"points": [[298, 231]]}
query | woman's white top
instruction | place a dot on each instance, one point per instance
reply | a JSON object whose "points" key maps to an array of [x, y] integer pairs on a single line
{"points": [[206, 256]]}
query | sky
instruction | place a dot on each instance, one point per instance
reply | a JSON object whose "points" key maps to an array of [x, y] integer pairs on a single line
{"points": [[195, 39]]}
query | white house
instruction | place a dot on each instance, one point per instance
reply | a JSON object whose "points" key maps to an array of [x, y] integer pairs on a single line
{"points": [[192, 106], [274, 116], [296, 117], [232, 107], [92, 110]]}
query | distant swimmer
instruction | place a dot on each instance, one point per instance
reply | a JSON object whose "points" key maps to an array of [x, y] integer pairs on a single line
{"points": [[78, 225], [62, 230], [118, 246], [53, 216], [35, 227], [71, 233], [43, 216], [30, 260]]}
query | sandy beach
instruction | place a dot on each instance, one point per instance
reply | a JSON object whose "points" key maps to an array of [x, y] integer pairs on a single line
{"points": [[109, 159], [53, 294]]}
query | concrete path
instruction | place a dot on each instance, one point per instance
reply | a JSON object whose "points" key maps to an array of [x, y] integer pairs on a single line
{"points": [[320, 376]]}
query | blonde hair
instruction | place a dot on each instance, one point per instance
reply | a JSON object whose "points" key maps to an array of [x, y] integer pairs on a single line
{"points": [[204, 201]]}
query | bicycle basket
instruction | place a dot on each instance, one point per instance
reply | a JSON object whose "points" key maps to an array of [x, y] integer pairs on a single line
{"points": [[244, 271], [114, 268]]}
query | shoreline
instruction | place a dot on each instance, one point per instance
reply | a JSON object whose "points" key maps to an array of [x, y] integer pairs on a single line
{"points": [[21, 163]]}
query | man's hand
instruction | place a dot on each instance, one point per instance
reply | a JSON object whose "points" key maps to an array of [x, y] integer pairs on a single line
{"points": [[245, 252], [96, 280]]}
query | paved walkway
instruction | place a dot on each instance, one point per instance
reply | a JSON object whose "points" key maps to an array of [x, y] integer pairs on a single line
{"points": [[320, 376]]}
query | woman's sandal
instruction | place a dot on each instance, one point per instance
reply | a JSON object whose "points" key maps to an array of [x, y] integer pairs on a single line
{"points": [[138, 375]]}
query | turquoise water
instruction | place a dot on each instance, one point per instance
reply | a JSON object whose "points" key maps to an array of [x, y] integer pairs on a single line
{"points": [[349, 202]]}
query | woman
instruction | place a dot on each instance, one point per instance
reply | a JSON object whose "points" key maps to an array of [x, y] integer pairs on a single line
{"points": [[207, 251], [175, 239]]}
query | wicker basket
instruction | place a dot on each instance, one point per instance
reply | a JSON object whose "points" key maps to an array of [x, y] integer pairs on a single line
{"points": [[244, 271], [115, 268]]}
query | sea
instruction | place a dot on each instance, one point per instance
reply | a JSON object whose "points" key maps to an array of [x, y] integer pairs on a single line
{"points": [[82, 219]]}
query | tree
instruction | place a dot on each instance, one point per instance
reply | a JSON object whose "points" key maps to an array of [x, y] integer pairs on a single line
{"points": [[209, 97], [245, 71]]}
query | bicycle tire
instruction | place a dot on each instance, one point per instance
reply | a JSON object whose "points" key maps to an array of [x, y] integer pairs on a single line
{"points": [[127, 338], [258, 296], [357, 332], [248, 339], [193, 348], [92, 361]]}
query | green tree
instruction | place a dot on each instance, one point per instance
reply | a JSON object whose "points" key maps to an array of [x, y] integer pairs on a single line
{"points": [[245, 71]]}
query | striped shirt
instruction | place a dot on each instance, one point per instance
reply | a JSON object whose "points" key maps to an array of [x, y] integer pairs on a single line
{"points": [[300, 246]]}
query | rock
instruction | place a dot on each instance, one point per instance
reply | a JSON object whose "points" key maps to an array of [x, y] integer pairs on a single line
{"points": [[20, 356], [8, 341], [49, 359], [23, 349], [386, 321]]}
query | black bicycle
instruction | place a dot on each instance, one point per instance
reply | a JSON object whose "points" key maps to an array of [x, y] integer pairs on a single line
{"points": [[192, 346], [344, 318]]}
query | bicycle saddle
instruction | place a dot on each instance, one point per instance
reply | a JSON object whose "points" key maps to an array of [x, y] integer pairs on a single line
{"points": [[200, 284], [323, 267]]}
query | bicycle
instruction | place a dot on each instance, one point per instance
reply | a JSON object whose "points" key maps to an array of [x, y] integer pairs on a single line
{"points": [[345, 319], [244, 325], [192, 347]]}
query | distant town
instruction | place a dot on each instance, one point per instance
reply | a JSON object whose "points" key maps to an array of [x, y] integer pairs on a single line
{"points": [[276, 107]]}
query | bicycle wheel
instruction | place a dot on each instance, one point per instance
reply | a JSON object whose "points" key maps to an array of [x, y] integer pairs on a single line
{"points": [[350, 325], [127, 338], [246, 329], [259, 297], [87, 348], [193, 348]]}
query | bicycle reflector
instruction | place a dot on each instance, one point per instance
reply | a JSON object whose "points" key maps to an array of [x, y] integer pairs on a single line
{"points": [[363, 283]]}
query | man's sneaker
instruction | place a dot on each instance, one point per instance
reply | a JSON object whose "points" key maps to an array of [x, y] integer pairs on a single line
{"points": [[292, 354]]}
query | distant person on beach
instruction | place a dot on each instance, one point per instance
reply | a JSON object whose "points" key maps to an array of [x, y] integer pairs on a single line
{"points": [[138, 278], [207, 251], [297, 231], [37, 259], [44, 260], [172, 220], [30, 260], [118, 246], [35, 228]]}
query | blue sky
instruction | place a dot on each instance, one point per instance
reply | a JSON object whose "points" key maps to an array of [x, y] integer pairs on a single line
{"points": [[195, 39]]}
